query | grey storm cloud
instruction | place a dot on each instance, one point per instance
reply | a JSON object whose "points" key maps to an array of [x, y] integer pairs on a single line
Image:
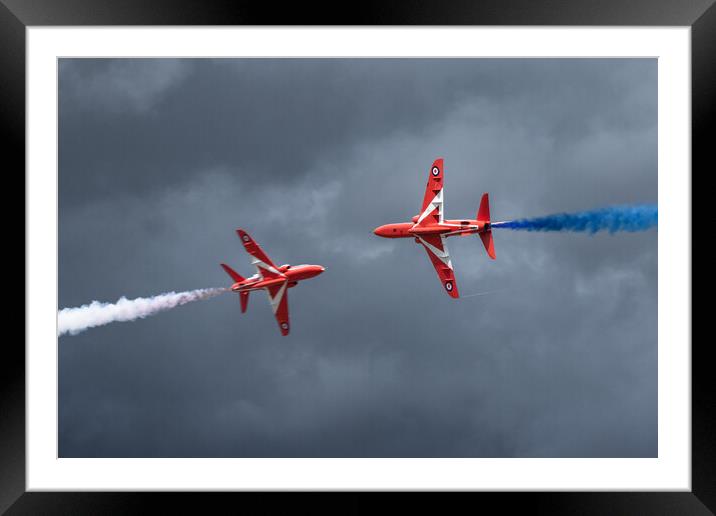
{"points": [[160, 160]]}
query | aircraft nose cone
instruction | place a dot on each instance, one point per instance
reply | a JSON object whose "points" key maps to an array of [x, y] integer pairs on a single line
{"points": [[378, 231]]}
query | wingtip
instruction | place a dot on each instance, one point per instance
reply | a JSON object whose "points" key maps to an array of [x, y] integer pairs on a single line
{"points": [[451, 288], [243, 235]]}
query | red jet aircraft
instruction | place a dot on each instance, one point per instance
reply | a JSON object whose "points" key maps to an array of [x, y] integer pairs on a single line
{"points": [[274, 280], [431, 229]]}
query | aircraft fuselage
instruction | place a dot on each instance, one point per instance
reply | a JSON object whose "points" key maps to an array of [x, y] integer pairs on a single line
{"points": [[293, 274], [447, 228]]}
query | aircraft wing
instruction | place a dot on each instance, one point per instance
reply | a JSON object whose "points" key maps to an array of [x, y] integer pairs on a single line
{"points": [[431, 211], [263, 263], [436, 247], [278, 297]]}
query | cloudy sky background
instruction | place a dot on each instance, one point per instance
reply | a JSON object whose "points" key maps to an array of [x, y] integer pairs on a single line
{"points": [[160, 161]]}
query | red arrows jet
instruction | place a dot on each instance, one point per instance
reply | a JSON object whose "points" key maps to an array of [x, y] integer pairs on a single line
{"points": [[271, 278], [431, 229]]}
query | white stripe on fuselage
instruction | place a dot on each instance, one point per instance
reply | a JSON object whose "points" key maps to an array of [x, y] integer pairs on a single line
{"points": [[463, 229]]}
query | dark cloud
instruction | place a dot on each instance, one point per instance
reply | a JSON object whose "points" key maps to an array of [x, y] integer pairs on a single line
{"points": [[161, 160]]}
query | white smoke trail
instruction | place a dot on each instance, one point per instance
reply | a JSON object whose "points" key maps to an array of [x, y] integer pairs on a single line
{"points": [[76, 320], [488, 292], [482, 293]]}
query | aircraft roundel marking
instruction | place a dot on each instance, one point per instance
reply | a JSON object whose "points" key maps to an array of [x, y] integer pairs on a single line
{"points": [[436, 171], [448, 286], [246, 238], [284, 325]]}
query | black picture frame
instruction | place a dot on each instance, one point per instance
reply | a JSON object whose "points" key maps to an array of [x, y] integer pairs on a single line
{"points": [[16, 15]]}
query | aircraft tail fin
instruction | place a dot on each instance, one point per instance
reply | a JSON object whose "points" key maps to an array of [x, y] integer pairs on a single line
{"points": [[483, 215], [244, 296], [231, 272]]}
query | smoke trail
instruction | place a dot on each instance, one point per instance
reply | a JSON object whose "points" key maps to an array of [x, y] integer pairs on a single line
{"points": [[614, 218], [488, 292], [76, 320]]}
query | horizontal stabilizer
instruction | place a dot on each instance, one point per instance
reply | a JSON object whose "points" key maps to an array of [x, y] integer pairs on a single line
{"points": [[483, 213], [483, 217], [489, 244], [231, 272]]}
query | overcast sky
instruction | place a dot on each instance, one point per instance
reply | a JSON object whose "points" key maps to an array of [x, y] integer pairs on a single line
{"points": [[161, 160]]}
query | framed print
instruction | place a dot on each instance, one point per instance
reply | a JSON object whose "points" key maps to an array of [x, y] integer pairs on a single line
{"points": [[553, 354]]}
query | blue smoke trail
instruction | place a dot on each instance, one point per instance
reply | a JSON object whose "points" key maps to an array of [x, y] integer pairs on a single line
{"points": [[614, 218]]}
